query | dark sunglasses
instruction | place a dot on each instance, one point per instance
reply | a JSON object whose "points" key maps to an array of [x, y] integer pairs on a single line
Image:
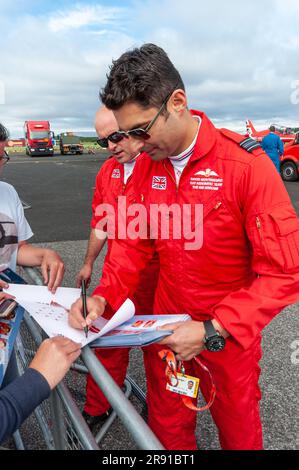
{"points": [[115, 137], [139, 132]]}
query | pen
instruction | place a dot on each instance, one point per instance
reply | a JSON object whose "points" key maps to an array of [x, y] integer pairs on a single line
{"points": [[83, 293]]}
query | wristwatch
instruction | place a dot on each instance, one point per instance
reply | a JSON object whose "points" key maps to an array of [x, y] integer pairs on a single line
{"points": [[213, 340]]}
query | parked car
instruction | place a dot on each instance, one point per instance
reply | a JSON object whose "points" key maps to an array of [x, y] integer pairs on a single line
{"points": [[290, 161]]}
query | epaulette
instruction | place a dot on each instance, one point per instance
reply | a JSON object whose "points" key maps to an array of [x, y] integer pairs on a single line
{"points": [[250, 144], [246, 143]]}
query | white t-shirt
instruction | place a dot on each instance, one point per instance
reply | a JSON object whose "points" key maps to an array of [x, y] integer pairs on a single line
{"points": [[128, 170], [129, 167], [14, 227]]}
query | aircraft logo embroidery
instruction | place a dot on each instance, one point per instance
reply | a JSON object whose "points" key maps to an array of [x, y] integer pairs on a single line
{"points": [[207, 173]]}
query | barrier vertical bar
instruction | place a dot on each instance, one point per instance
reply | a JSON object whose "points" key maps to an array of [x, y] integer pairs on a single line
{"points": [[139, 430], [59, 430]]}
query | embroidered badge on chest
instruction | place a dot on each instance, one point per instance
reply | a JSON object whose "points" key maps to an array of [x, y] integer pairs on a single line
{"points": [[159, 182], [206, 180], [115, 173]]}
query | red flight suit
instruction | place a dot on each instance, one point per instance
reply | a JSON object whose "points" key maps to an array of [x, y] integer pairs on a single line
{"points": [[245, 273], [110, 185]]}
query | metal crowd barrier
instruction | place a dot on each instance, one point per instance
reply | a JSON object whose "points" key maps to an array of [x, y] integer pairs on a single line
{"points": [[59, 418]]}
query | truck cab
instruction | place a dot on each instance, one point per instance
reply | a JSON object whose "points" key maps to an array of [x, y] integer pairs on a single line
{"points": [[289, 167], [38, 138], [70, 143]]}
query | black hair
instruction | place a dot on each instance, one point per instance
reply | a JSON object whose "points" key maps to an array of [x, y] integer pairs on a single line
{"points": [[4, 134], [143, 75]]}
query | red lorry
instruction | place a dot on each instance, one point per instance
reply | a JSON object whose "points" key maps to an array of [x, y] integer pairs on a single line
{"points": [[38, 136], [290, 160]]}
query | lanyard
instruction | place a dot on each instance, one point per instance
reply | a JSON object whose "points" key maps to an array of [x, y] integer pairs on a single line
{"points": [[171, 371]]}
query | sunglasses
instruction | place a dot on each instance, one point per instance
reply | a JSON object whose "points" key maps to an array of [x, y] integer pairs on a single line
{"points": [[115, 137], [139, 132]]}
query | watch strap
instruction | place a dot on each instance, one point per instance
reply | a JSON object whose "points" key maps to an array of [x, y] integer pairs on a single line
{"points": [[210, 330]]}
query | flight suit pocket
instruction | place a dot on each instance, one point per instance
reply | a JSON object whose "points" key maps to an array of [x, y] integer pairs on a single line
{"points": [[286, 226], [275, 239]]}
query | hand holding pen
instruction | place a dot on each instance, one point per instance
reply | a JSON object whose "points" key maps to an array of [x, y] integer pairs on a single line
{"points": [[95, 307], [83, 294]]}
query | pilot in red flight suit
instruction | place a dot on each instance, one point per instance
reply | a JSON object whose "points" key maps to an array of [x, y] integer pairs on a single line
{"points": [[232, 281], [113, 180]]}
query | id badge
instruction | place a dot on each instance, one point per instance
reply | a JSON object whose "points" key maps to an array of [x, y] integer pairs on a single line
{"points": [[186, 385]]}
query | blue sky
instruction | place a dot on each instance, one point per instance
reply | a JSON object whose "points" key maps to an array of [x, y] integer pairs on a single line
{"points": [[238, 60]]}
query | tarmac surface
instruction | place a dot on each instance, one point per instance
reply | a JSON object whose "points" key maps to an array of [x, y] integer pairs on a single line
{"points": [[59, 191]]}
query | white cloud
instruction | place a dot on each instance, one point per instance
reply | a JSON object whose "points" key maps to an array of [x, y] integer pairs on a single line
{"points": [[88, 15], [238, 60], [55, 76]]}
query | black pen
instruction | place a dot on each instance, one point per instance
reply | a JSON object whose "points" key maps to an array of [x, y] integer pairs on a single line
{"points": [[83, 293]]}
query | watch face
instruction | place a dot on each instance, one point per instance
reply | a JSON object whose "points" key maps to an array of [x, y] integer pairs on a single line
{"points": [[215, 344]]}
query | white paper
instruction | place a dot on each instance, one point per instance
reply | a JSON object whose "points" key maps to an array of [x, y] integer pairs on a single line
{"points": [[53, 319], [123, 314], [30, 293], [64, 296]]}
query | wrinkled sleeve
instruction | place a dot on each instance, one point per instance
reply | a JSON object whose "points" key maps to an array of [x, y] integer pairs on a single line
{"points": [[24, 229], [122, 269], [19, 399], [272, 228], [97, 199]]}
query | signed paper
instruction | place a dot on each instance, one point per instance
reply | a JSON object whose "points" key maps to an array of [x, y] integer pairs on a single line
{"points": [[41, 304]]}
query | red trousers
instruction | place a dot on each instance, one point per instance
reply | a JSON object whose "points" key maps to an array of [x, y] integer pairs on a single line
{"points": [[235, 410], [236, 407], [116, 362]]}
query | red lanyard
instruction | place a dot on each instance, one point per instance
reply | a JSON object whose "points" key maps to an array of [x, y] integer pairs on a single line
{"points": [[172, 369]]}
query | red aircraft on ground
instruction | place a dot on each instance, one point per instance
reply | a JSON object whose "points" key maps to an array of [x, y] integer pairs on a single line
{"points": [[285, 133]]}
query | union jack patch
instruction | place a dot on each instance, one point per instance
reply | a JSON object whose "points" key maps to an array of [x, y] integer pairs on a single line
{"points": [[159, 182], [115, 173]]}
